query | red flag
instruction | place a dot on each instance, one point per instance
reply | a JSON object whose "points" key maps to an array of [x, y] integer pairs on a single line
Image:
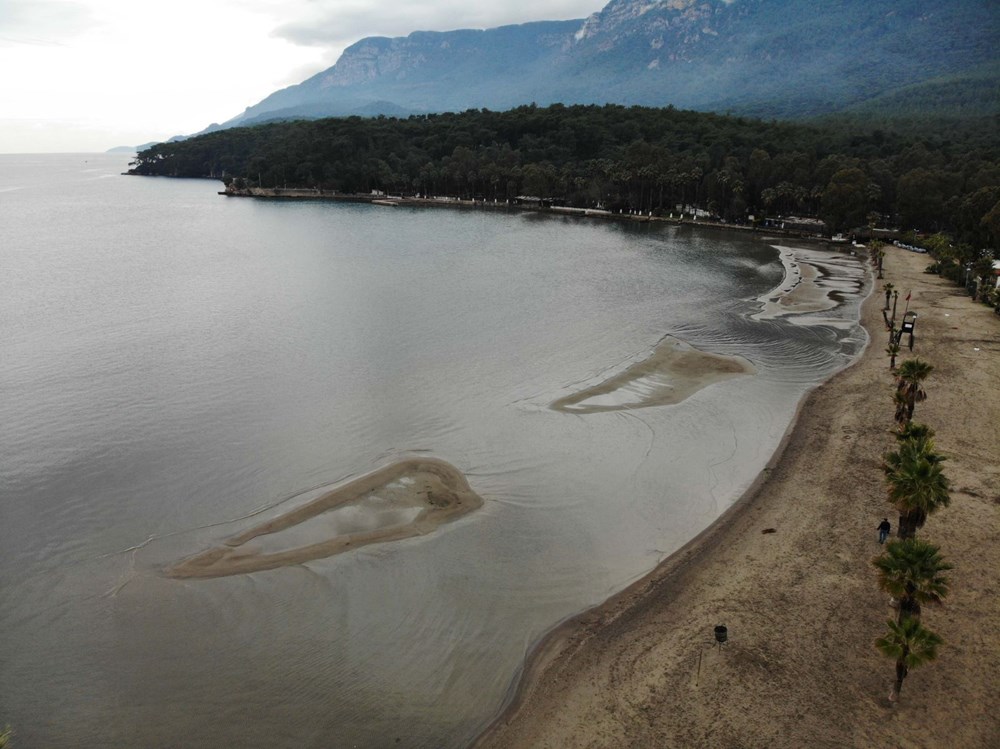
{"points": [[908, 295]]}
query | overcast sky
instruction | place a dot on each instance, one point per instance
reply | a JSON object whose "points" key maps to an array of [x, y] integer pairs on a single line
{"points": [[87, 75]]}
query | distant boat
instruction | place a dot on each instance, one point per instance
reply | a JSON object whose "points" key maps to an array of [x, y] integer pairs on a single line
{"points": [[385, 202]]}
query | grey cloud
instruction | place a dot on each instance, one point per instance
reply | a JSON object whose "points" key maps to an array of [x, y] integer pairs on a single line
{"points": [[42, 23]]}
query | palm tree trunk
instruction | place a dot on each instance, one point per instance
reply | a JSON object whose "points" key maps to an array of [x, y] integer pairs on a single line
{"points": [[900, 675], [908, 524], [908, 609]]}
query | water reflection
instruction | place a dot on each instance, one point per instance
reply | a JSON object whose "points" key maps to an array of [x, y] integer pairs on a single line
{"points": [[179, 365]]}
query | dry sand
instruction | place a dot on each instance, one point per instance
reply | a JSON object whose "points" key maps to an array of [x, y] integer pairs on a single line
{"points": [[408, 498], [674, 371], [801, 603]]}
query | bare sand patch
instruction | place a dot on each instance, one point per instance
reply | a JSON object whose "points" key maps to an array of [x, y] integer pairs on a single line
{"points": [[405, 499], [674, 371], [815, 281]]}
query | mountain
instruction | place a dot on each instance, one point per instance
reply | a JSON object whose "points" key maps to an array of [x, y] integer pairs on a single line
{"points": [[765, 58]]}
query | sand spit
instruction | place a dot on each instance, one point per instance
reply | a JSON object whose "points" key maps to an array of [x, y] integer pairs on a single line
{"points": [[675, 371], [409, 498], [815, 281], [801, 602]]}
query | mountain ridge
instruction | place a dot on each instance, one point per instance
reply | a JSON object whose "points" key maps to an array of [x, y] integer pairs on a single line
{"points": [[767, 58]]}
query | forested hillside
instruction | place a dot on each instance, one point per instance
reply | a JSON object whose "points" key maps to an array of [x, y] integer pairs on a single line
{"points": [[935, 174]]}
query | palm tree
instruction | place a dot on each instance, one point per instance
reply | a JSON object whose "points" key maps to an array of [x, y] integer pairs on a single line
{"points": [[902, 408], [911, 572], [888, 294], [909, 377], [917, 487], [912, 446], [893, 351], [911, 645], [913, 430]]}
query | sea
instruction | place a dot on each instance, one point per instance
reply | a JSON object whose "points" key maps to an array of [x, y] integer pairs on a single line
{"points": [[176, 364]]}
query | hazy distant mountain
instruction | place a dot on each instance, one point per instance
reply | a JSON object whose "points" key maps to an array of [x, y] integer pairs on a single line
{"points": [[770, 58]]}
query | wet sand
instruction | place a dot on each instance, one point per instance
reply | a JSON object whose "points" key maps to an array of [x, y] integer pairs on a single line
{"points": [[809, 287], [405, 499], [675, 371], [788, 571]]}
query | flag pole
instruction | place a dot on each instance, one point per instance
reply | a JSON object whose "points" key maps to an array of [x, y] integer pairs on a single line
{"points": [[908, 293]]}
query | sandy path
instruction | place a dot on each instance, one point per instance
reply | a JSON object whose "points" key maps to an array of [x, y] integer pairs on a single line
{"points": [[801, 603]]}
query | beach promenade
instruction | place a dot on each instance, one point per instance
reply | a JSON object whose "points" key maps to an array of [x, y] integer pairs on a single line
{"points": [[788, 571]]}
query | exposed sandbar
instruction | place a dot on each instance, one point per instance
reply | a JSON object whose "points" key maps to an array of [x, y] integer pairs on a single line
{"points": [[405, 499], [815, 281], [675, 371]]}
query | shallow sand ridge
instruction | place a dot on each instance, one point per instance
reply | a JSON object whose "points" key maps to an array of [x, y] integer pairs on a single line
{"points": [[675, 371], [815, 281], [405, 499]]}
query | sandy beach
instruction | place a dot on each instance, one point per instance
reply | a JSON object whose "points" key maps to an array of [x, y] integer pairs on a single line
{"points": [[788, 571]]}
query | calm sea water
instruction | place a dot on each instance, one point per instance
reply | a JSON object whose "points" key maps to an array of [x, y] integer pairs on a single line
{"points": [[173, 362]]}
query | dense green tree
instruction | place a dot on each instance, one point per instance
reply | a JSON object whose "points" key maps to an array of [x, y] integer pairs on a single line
{"points": [[920, 195], [992, 223], [968, 217], [929, 174]]}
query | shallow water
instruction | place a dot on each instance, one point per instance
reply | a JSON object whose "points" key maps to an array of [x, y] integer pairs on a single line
{"points": [[178, 366]]}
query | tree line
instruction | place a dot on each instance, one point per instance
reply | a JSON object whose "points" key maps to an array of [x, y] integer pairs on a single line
{"points": [[911, 570], [942, 176]]}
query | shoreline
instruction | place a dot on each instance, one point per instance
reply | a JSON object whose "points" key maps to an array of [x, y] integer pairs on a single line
{"points": [[671, 572], [561, 641], [787, 568], [295, 193]]}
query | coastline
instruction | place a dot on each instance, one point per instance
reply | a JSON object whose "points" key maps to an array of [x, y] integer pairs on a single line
{"points": [[792, 580], [297, 193]]}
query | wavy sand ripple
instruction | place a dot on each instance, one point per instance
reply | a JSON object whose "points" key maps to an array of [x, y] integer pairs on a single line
{"points": [[675, 371], [815, 282], [405, 499]]}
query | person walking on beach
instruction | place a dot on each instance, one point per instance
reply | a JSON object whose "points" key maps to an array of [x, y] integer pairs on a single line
{"points": [[883, 530]]}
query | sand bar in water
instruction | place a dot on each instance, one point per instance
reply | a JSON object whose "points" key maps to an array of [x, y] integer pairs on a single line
{"points": [[815, 282], [675, 371], [405, 499]]}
